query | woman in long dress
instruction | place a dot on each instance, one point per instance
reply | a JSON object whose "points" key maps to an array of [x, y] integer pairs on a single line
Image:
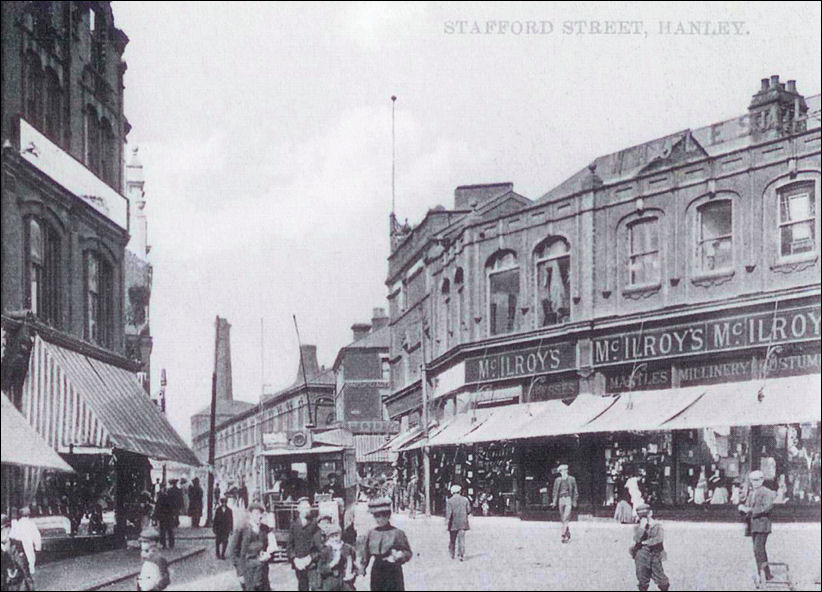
{"points": [[389, 548]]}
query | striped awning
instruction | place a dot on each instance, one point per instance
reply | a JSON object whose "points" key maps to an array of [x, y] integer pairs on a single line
{"points": [[75, 400], [369, 448], [23, 446]]}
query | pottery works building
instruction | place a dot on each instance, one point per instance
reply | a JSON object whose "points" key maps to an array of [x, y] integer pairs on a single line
{"points": [[67, 365], [655, 316]]}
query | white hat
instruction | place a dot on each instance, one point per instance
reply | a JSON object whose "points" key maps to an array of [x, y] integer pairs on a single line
{"points": [[456, 488], [756, 475]]}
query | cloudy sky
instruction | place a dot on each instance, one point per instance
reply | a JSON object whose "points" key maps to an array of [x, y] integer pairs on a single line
{"points": [[265, 131]]}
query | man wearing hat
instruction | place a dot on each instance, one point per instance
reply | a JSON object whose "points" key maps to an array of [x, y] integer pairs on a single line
{"points": [[154, 574], [166, 517], [457, 509], [333, 487], [757, 507], [648, 550], [565, 498], [388, 546], [305, 541], [336, 566], [222, 525], [253, 553]]}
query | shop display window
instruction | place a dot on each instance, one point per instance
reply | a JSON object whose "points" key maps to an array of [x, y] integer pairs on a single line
{"points": [[639, 467]]}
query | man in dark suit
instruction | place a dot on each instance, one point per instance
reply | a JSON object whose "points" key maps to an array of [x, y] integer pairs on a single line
{"points": [[758, 507], [195, 502], [165, 516], [457, 509], [565, 498], [223, 525]]}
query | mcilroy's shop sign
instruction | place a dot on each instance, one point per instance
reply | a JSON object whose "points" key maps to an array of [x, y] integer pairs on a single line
{"points": [[723, 334], [556, 357]]}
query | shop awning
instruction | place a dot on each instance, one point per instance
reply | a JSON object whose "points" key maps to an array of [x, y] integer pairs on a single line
{"points": [[73, 399], [792, 399], [369, 448], [541, 419], [302, 452], [23, 446], [644, 410]]}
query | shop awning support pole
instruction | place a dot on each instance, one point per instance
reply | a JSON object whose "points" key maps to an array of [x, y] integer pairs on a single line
{"points": [[211, 442]]}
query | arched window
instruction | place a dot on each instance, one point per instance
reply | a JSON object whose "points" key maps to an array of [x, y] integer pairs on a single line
{"points": [[54, 108], [459, 304], [503, 292], [92, 140], [643, 252], [445, 330], [42, 271], [34, 90], [552, 261], [99, 300], [714, 240]]}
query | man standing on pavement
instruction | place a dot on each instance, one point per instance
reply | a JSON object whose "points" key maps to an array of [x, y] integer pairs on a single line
{"points": [[565, 498], [223, 525], [165, 517], [757, 507], [305, 542], [26, 531], [195, 502], [457, 509], [648, 550], [175, 497]]}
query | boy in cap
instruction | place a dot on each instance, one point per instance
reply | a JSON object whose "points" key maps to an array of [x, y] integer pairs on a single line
{"points": [[648, 551], [388, 546], [336, 561], [154, 574], [305, 541], [565, 497], [757, 507], [457, 509]]}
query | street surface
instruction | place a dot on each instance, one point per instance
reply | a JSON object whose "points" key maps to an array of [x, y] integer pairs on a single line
{"points": [[508, 554]]}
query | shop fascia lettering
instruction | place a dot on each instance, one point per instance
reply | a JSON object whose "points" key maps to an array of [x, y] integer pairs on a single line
{"points": [[723, 334], [526, 362]]}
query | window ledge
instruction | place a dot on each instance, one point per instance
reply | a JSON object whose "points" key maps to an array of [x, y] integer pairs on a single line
{"points": [[713, 278], [635, 292], [795, 262]]}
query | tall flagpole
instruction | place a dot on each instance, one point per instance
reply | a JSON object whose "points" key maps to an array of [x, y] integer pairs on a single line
{"points": [[393, 157], [260, 419]]}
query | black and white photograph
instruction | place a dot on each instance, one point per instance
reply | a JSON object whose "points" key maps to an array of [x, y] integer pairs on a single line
{"points": [[411, 296]]}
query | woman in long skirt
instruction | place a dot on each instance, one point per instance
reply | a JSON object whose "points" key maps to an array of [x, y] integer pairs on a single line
{"points": [[388, 546]]}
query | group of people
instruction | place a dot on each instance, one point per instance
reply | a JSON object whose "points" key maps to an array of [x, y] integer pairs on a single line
{"points": [[21, 541], [170, 502]]}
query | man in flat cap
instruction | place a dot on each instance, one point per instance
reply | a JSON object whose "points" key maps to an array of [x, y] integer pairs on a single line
{"points": [[388, 546], [757, 507], [565, 497], [222, 525], [648, 551], [154, 574], [457, 509]]}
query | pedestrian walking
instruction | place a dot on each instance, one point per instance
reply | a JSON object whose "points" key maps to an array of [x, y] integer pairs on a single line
{"points": [[253, 553], [565, 497], [412, 493], [305, 541], [184, 487], [648, 551], [223, 524], [387, 546], [156, 488], [195, 502], [165, 516], [457, 510], [336, 563], [14, 568], [26, 532], [154, 574], [175, 496], [757, 509]]}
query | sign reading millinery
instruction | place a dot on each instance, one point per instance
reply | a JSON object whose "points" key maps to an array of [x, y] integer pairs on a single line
{"points": [[724, 334], [556, 357]]}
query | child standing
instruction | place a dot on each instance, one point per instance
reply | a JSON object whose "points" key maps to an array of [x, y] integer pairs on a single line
{"points": [[336, 563], [154, 574], [648, 551]]}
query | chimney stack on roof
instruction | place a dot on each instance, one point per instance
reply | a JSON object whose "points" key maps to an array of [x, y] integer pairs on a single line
{"points": [[308, 358], [360, 330], [378, 319]]}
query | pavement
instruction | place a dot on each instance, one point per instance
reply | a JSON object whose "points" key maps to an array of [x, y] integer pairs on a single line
{"points": [[508, 554]]}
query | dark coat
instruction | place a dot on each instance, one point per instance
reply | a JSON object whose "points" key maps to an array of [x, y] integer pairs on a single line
{"points": [[457, 509], [304, 540], [574, 491], [164, 509], [379, 543], [332, 576], [223, 521], [761, 504], [195, 500], [246, 560]]}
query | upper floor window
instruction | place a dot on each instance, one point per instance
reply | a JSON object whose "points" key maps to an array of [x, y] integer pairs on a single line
{"points": [[92, 136], [553, 291], [54, 108], [34, 90], [99, 300], [797, 220], [415, 289], [643, 252], [445, 329], [42, 271], [385, 365], [108, 153], [503, 292], [714, 249]]}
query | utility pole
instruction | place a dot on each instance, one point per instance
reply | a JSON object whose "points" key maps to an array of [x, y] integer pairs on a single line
{"points": [[426, 451], [212, 427]]}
